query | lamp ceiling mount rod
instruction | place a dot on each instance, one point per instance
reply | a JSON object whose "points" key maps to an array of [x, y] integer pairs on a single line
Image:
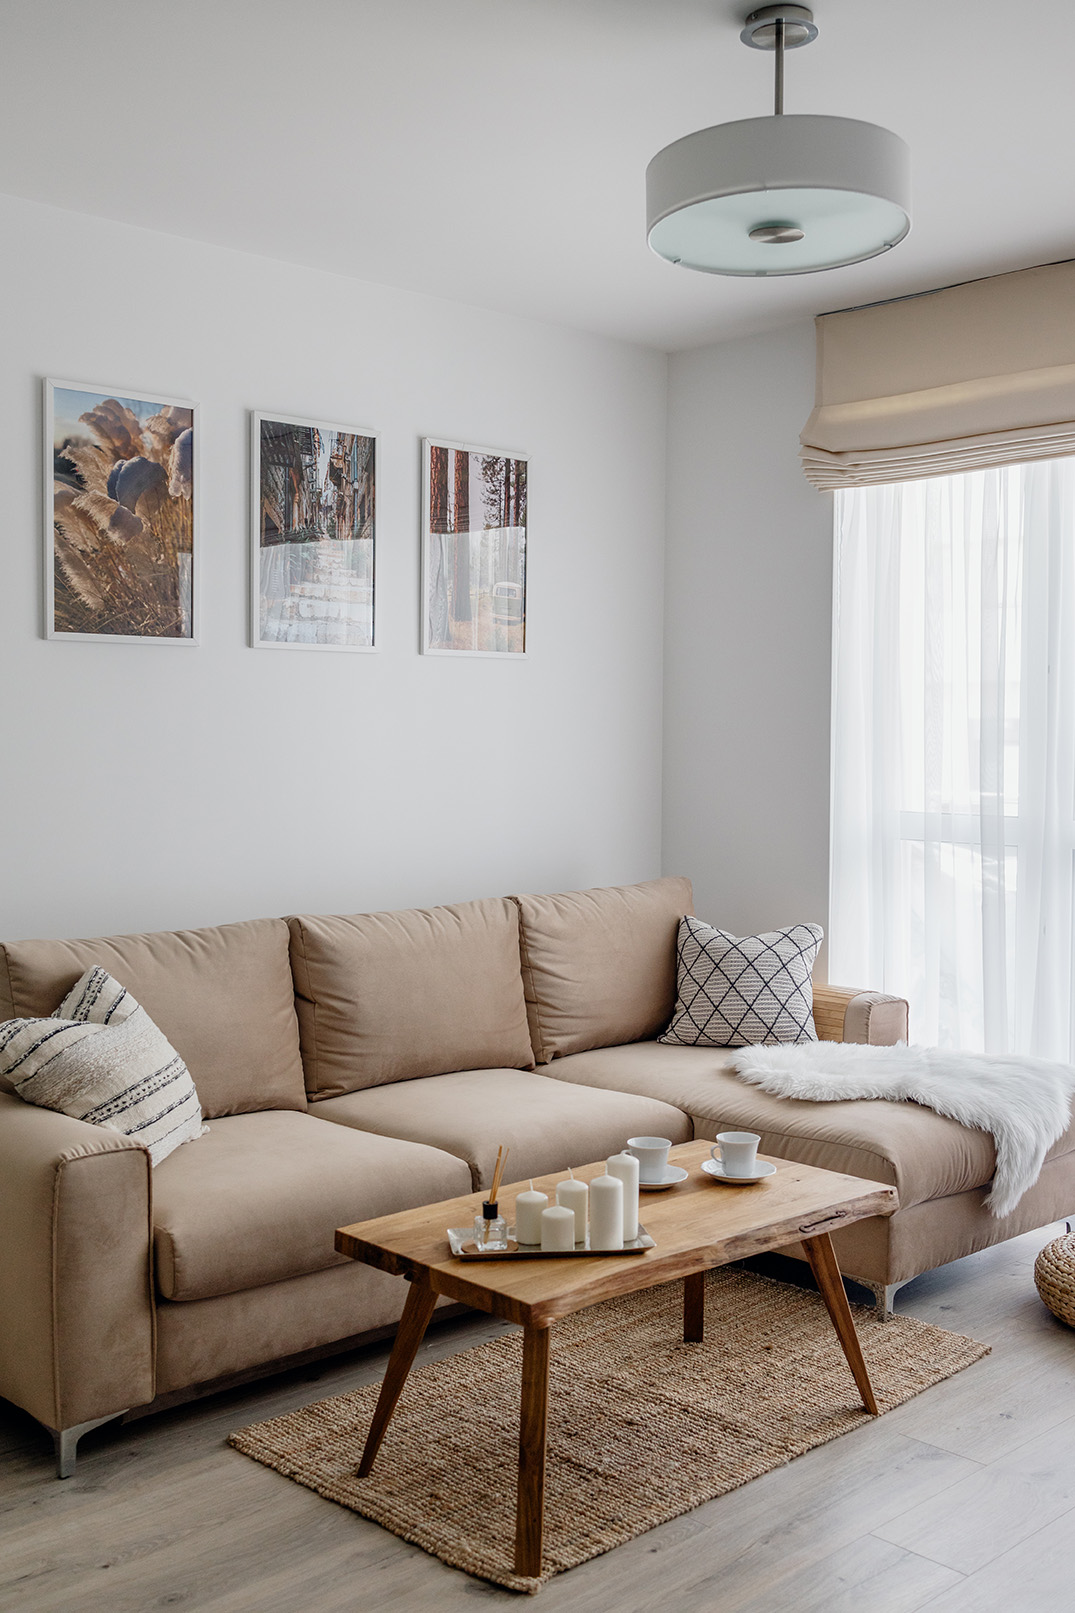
{"points": [[779, 28], [778, 71]]}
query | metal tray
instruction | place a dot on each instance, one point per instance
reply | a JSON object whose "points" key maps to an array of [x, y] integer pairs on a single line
{"points": [[461, 1240]]}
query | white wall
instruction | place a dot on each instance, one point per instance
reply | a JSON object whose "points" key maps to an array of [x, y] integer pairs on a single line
{"points": [[748, 636], [150, 786]]}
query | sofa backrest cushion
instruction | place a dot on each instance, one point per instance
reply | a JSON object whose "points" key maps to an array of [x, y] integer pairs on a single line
{"points": [[599, 966], [223, 997], [389, 996]]}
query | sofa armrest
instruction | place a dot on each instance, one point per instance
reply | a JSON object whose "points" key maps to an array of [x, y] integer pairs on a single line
{"points": [[859, 1016], [76, 1303]]}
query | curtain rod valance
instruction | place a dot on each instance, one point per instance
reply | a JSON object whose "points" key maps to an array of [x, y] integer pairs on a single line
{"points": [[978, 374]]}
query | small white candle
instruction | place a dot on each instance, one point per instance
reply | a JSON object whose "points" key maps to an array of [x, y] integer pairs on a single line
{"points": [[625, 1166], [575, 1196], [606, 1213], [557, 1229], [528, 1208]]}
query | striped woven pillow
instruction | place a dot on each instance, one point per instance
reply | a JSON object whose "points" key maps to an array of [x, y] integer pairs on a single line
{"points": [[101, 1059]]}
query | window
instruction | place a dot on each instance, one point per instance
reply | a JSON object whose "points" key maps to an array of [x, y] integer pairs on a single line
{"points": [[953, 806]]}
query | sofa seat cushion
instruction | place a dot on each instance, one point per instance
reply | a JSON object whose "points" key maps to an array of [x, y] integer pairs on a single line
{"points": [[259, 1197], [924, 1154], [223, 997], [548, 1125]]}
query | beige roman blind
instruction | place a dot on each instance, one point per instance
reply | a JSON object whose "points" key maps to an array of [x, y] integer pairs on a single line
{"points": [[977, 374]]}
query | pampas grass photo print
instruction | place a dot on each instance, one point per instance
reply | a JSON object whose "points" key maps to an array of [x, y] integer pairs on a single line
{"points": [[120, 481]]}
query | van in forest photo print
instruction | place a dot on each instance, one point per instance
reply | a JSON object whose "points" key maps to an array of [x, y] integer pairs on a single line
{"points": [[474, 514]]}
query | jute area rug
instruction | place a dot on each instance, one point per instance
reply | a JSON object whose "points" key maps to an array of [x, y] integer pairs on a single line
{"points": [[641, 1425]]}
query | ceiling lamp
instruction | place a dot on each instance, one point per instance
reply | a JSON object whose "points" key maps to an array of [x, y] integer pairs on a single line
{"points": [[779, 195]]}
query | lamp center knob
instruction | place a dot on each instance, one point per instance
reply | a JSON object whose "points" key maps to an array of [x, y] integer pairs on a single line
{"points": [[777, 234]]}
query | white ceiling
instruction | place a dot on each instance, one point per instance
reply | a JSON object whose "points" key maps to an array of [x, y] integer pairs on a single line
{"points": [[494, 151]]}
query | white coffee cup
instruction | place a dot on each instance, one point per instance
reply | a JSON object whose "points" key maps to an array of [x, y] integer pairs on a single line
{"points": [[652, 1156], [738, 1152]]}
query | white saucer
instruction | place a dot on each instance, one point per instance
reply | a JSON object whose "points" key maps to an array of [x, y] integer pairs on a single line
{"points": [[715, 1169], [672, 1175]]}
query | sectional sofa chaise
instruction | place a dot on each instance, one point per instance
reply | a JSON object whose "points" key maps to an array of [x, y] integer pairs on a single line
{"points": [[350, 1067]]}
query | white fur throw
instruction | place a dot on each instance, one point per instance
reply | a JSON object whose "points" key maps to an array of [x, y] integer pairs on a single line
{"points": [[1024, 1102]]}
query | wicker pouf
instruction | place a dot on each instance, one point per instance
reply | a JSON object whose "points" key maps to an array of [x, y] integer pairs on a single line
{"points": [[1054, 1273]]}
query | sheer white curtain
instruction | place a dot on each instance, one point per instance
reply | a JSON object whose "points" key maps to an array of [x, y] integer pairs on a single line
{"points": [[953, 773]]}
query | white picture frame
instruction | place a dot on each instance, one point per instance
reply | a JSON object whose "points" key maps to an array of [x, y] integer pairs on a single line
{"points": [[317, 592], [493, 621], [117, 516]]}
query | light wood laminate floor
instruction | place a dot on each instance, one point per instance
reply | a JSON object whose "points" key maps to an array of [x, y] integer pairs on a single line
{"points": [[962, 1501]]}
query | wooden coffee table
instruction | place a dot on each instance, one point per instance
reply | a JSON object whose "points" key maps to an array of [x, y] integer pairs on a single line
{"points": [[696, 1225]]}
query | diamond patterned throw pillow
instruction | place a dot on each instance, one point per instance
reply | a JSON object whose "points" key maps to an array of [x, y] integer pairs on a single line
{"points": [[735, 991]]}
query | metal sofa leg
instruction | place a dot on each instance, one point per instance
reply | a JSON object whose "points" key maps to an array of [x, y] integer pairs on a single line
{"points": [[884, 1294], [66, 1441]]}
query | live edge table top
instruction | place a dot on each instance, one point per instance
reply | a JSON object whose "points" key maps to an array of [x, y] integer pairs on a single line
{"points": [[695, 1225]]}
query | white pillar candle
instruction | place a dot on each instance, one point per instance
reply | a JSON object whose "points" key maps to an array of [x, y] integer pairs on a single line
{"points": [[606, 1213], [557, 1229], [574, 1195], [625, 1166], [528, 1208]]}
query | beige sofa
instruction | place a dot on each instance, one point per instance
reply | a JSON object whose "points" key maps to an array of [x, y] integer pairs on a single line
{"points": [[353, 1066]]}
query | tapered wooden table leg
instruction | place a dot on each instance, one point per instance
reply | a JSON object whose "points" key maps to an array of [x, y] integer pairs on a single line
{"points": [[533, 1419], [412, 1325], [694, 1308], [822, 1258]]}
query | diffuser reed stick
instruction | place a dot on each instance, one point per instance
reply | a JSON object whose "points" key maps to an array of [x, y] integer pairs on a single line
{"points": [[498, 1171]]}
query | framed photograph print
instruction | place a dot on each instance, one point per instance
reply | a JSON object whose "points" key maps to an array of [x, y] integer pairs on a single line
{"points": [[473, 550], [120, 515], [313, 541]]}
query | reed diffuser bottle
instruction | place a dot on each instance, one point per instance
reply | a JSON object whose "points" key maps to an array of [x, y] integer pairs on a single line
{"points": [[490, 1228]]}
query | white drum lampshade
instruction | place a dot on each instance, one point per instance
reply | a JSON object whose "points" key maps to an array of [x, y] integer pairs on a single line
{"points": [[779, 195]]}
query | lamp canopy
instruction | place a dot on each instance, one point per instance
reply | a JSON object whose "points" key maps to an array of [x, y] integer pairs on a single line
{"points": [[782, 194]]}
